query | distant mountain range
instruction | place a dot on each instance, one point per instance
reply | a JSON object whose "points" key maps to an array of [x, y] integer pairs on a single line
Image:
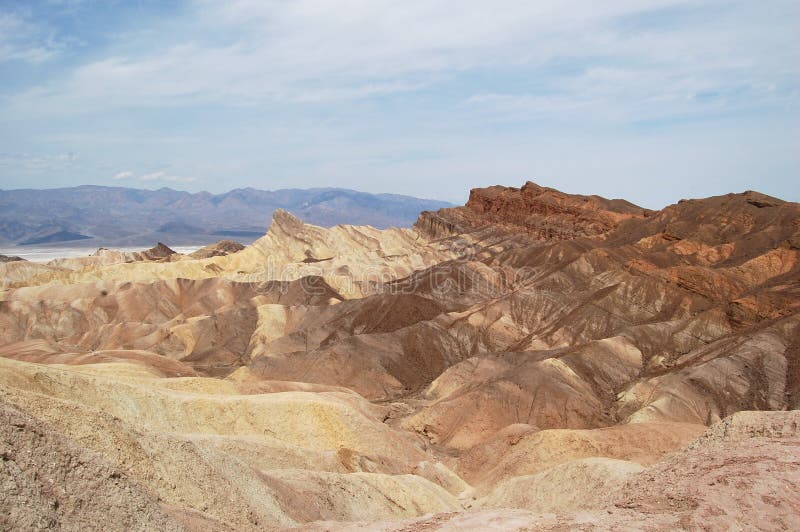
{"points": [[114, 216]]}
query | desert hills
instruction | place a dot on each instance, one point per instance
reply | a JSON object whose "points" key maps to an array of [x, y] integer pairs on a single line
{"points": [[533, 359]]}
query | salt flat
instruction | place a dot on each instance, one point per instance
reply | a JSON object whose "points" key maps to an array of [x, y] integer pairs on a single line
{"points": [[48, 253]]}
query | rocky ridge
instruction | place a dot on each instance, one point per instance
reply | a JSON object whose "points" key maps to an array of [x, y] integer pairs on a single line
{"points": [[544, 213]]}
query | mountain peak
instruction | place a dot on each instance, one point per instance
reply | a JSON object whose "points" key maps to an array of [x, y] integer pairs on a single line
{"points": [[285, 219]]}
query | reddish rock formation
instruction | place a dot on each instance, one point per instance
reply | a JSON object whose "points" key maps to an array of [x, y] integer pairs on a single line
{"points": [[544, 213]]}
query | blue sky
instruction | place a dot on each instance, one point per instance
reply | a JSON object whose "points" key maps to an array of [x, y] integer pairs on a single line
{"points": [[647, 100]]}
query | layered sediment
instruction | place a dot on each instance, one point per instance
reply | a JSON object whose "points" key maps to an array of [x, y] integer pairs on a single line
{"points": [[525, 360]]}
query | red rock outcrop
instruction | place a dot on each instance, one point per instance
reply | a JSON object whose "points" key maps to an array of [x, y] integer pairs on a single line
{"points": [[544, 213]]}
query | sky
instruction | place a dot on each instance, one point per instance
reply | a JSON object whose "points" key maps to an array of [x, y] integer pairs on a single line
{"points": [[647, 100]]}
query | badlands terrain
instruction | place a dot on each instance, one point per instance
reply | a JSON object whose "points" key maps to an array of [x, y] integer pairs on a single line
{"points": [[531, 360]]}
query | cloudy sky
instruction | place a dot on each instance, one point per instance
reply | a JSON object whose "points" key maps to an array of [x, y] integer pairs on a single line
{"points": [[651, 100]]}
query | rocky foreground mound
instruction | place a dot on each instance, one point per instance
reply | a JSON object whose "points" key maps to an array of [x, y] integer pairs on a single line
{"points": [[531, 360]]}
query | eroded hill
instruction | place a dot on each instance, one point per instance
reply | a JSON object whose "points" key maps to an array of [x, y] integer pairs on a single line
{"points": [[533, 351]]}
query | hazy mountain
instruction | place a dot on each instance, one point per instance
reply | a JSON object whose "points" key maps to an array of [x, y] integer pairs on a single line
{"points": [[123, 216]]}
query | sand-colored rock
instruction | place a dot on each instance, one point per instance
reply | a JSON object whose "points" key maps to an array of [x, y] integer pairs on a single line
{"points": [[518, 453], [577, 485], [748, 481], [258, 451], [351, 259], [49, 482]]}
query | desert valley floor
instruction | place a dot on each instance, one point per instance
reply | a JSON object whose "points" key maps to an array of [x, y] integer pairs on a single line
{"points": [[531, 360]]}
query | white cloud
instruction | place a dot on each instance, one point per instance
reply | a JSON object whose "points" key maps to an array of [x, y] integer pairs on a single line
{"points": [[23, 40], [28, 162], [163, 176], [155, 176], [309, 51]]}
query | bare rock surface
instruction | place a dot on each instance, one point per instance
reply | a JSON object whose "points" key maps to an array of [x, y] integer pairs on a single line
{"points": [[49, 482], [542, 212]]}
